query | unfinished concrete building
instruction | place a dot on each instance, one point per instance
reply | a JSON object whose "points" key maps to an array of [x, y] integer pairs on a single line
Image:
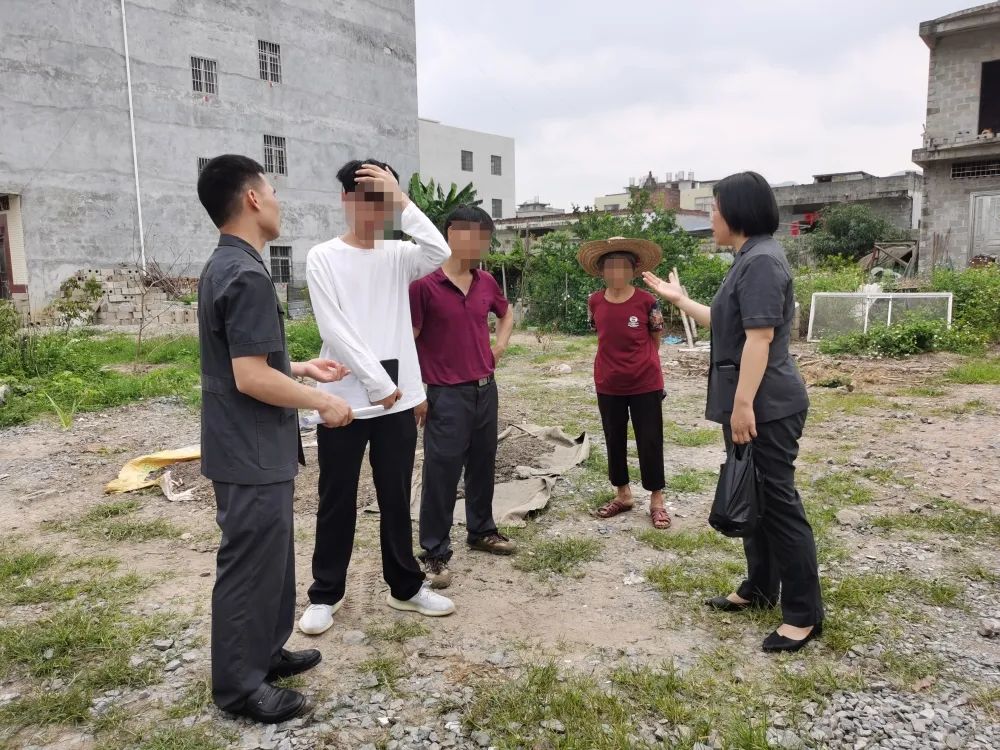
{"points": [[302, 86], [961, 149], [898, 198]]}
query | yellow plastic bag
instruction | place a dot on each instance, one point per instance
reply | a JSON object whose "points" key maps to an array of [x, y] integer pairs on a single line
{"points": [[135, 474]]}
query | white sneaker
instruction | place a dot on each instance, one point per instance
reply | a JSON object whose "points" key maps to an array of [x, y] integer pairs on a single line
{"points": [[426, 602], [318, 618]]}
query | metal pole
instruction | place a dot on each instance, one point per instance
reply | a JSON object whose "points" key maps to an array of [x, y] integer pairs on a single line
{"points": [[135, 156]]}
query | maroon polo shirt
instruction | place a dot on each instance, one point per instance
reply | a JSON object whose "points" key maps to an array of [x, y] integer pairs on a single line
{"points": [[454, 341]]}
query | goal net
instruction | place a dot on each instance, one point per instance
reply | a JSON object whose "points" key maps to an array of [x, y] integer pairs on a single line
{"points": [[840, 313]]}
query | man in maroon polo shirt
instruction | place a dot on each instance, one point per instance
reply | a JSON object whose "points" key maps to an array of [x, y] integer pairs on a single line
{"points": [[450, 310]]}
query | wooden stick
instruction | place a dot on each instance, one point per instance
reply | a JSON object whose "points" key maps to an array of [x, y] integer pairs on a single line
{"points": [[684, 317]]}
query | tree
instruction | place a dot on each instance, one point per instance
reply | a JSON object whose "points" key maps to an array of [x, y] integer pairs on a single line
{"points": [[851, 230], [435, 203]]}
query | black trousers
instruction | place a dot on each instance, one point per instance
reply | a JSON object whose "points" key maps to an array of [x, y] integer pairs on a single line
{"points": [[646, 410], [392, 442], [781, 555], [253, 602], [461, 433]]}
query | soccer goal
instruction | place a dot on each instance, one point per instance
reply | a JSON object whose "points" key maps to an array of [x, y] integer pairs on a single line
{"points": [[840, 313]]}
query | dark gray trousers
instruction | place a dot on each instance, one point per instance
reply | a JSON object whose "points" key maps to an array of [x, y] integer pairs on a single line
{"points": [[461, 433], [781, 554], [253, 603]]}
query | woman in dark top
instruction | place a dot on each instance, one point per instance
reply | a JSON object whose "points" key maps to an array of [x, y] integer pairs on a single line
{"points": [[756, 392], [627, 372]]}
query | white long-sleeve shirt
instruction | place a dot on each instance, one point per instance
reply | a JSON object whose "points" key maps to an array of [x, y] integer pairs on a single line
{"points": [[361, 299]]}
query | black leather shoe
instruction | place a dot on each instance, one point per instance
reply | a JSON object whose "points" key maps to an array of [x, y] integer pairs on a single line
{"points": [[775, 642], [293, 663], [271, 705], [722, 604]]}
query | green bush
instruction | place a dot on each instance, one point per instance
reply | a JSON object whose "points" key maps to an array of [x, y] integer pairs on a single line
{"points": [[976, 299], [904, 340], [831, 277], [850, 230], [10, 321], [304, 341]]}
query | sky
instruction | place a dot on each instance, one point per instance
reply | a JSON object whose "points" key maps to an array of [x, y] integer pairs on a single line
{"points": [[596, 92]]}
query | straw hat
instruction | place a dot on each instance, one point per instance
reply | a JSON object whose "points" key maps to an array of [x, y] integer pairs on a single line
{"points": [[648, 254]]}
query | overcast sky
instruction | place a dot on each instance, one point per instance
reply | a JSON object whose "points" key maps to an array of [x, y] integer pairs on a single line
{"points": [[597, 92]]}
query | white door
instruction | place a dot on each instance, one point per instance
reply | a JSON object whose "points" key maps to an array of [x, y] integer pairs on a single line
{"points": [[986, 224]]}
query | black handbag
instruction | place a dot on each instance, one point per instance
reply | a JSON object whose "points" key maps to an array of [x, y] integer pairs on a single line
{"points": [[737, 508]]}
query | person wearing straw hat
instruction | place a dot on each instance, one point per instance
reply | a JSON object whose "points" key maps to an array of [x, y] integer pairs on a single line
{"points": [[627, 372]]}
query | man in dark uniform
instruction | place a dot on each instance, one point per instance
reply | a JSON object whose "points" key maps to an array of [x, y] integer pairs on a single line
{"points": [[250, 445]]}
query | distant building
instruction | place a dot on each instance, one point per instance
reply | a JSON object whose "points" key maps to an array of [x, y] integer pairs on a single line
{"points": [[960, 154], [673, 192], [302, 87], [460, 156], [529, 228], [897, 198], [536, 208]]}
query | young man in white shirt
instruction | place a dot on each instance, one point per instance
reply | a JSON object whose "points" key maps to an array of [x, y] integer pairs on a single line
{"points": [[359, 290]]}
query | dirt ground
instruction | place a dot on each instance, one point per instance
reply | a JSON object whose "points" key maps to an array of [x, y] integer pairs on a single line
{"points": [[922, 446]]}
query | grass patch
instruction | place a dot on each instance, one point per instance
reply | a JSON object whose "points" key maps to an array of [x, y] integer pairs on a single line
{"points": [[925, 391], [841, 488], [944, 517], [691, 437], [177, 738], [908, 669], [976, 372], [987, 700], [673, 578], [514, 712], [114, 522], [399, 632], [600, 499], [387, 670], [195, 700], [558, 556], [687, 542], [53, 590], [692, 481], [978, 573]]}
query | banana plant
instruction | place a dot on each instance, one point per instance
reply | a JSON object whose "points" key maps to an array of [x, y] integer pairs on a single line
{"points": [[431, 198]]}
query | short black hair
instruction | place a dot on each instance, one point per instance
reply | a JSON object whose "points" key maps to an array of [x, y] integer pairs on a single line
{"points": [[618, 255], [348, 178], [469, 215], [222, 182], [747, 204]]}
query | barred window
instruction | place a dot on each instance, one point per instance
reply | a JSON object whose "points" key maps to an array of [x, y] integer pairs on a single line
{"points": [[269, 55], [972, 169], [497, 208], [496, 165], [204, 75], [202, 163], [274, 155], [466, 161], [281, 264], [4, 203]]}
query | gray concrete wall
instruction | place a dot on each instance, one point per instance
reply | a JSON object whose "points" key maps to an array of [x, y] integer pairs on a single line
{"points": [[897, 199], [947, 215], [956, 64], [348, 90]]}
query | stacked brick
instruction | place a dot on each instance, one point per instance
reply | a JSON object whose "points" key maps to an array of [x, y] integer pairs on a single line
{"points": [[126, 300]]}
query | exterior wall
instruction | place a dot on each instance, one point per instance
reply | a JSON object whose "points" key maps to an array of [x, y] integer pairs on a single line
{"points": [[441, 149], [897, 199], [611, 202], [956, 64], [945, 231], [690, 198], [951, 136], [348, 90]]}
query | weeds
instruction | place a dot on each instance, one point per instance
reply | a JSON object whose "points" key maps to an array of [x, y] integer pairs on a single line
{"points": [[558, 556], [399, 632], [691, 481], [944, 517], [114, 522], [691, 437]]}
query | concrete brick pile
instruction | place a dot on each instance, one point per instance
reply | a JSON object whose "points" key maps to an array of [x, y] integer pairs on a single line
{"points": [[127, 301]]}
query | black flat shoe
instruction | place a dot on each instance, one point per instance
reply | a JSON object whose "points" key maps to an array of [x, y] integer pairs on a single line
{"points": [[271, 705], [776, 642], [293, 662], [723, 604]]}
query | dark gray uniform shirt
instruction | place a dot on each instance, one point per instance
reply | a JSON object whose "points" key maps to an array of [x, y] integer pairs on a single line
{"points": [[757, 293], [243, 440]]}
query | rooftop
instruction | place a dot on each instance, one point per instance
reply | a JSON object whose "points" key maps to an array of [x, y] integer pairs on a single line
{"points": [[972, 19]]}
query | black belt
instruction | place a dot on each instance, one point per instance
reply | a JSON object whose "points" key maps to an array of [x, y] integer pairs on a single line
{"points": [[481, 383]]}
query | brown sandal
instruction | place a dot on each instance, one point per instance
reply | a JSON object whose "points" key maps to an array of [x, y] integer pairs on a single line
{"points": [[660, 518], [612, 509]]}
